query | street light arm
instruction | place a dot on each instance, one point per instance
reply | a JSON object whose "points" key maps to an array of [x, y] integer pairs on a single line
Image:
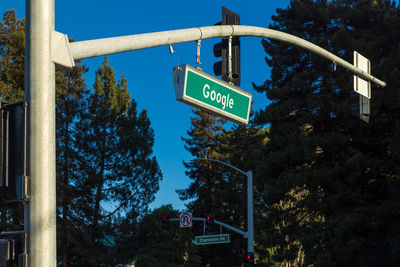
{"points": [[106, 46], [234, 229], [223, 163]]}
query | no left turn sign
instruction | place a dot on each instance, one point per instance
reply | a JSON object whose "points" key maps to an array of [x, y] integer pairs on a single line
{"points": [[186, 219]]}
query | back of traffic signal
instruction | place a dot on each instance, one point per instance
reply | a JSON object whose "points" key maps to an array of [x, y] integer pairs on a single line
{"points": [[13, 154], [165, 223], [209, 224], [249, 260], [229, 51]]}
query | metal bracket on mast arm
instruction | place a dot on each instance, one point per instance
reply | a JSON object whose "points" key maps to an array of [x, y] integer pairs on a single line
{"points": [[61, 51], [230, 76], [198, 42]]}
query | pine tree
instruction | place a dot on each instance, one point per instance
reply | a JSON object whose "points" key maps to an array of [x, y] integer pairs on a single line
{"points": [[71, 94], [118, 172], [329, 179], [12, 57]]}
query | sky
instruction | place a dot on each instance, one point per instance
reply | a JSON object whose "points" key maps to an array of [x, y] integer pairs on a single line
{"points": [[149, 71]]}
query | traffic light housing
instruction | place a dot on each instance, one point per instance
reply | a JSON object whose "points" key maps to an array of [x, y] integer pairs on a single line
{"points": [[165, 223], [13, 152], [209, 224], [221, 50], [13, 249], [249, 259]]}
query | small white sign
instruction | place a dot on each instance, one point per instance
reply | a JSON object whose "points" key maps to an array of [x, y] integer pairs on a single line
{"points": [[186, 219], [362, 86]]}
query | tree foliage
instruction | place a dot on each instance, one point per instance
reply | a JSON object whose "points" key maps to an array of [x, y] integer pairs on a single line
{"points": [[330, 180], [169, 249], [71, 93], [12, 57], [119, 175]]}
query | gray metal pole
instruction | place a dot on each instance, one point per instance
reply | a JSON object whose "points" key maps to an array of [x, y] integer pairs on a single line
{"points": [[40, 222], [106, 46], [250, 221]]}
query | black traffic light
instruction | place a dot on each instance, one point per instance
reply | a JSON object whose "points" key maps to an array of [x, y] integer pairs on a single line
{"points": [[13, 152], [5, 252], [209, 224], [13, 249], [222, 50], [165, 223], [249, 259], [9, 252]]}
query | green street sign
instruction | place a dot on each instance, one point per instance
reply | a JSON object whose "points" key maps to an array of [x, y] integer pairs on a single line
{"points": [[204, 91], [211, 239]]}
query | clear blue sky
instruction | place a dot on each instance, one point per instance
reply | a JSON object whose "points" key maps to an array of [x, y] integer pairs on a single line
{"points": [[149, 71]]}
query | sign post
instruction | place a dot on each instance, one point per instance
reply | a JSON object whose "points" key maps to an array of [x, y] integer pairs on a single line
{"points": [[204, 91]]}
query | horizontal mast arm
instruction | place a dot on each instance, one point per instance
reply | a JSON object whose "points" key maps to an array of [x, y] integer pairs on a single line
{"points": [[112, 45]]}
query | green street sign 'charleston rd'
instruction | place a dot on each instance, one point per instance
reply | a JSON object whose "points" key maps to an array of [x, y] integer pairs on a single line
{"points": [[211, 239], [204, 91]]}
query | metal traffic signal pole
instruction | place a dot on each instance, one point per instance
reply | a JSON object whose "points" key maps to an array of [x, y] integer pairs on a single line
{"points": [[40, 211], [250, 214]]}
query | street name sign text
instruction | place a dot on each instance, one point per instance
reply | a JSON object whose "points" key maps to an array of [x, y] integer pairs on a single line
{"points": [[200, 90], [211, 239]]}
